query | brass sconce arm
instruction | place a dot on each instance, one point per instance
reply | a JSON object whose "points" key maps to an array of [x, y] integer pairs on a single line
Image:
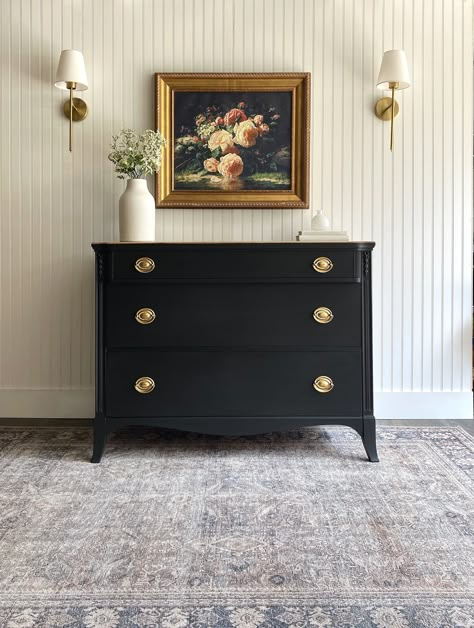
{"points": [[387, 108], [75, 109], [71, 85]]}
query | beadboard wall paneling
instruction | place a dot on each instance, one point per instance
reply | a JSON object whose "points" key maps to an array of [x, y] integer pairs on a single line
{"points": [[415, 203]]}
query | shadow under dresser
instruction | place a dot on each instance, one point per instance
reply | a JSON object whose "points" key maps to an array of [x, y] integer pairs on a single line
{"points": [[238, 338]]}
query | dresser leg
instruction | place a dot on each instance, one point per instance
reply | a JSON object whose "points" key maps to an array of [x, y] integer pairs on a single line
{"points": [[100, 436], [369, 439]]}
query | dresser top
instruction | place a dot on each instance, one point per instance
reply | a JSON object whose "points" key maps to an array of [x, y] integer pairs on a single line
{"points": [[290, 244]]}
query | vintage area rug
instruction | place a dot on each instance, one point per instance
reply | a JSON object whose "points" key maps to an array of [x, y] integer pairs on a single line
{"points": [[292, 529]]}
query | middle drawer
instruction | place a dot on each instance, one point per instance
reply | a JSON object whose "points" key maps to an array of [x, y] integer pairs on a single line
{"points": [[233, 315]]}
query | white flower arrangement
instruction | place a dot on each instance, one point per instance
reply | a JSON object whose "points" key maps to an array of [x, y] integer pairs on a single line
{"points": [[136, 156]]}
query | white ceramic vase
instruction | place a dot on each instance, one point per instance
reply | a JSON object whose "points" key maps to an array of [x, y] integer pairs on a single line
{"points": [[137, 213]]}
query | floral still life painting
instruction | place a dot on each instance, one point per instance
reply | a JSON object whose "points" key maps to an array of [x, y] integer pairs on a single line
{"points": [[233, 140], [244, 145]]}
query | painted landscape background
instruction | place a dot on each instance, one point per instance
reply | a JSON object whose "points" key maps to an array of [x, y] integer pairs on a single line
{"points": [[232, 140]]}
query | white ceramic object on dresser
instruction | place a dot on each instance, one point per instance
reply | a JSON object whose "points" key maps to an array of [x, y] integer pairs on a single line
{"points": [[321, 231], [137, 213], [320, 222]]}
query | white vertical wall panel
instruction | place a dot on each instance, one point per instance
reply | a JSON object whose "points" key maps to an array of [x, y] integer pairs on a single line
{"points": [[415, 203]]}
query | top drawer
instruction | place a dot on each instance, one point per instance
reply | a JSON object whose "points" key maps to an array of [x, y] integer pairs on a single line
{"points": [[160, 263]]}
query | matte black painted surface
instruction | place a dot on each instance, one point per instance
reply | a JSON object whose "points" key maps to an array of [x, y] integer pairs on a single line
{"points": [[215, 262], [231, 384], [240, 315], [234, 348]]}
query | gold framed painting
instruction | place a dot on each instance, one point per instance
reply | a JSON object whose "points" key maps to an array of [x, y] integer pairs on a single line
{"points": [[233, 140]]}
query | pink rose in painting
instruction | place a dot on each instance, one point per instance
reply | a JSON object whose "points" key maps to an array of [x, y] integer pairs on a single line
{"points": [[246, 134], [211, 164], [221, 139], [220, 120], [241, 105], [231, 166], [234, 115], [258, 119], [263, 129]]}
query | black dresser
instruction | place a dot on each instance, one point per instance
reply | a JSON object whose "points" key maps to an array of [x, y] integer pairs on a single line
{"points": [[240, 338]]}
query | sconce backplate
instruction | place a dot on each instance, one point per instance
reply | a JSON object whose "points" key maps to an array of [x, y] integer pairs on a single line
{"points": [[383, 108], [79, 109]]}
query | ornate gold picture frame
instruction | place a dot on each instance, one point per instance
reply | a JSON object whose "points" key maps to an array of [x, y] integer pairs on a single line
{"points": [[234, 140]]}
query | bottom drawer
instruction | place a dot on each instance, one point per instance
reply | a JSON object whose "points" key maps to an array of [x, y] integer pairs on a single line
{"points": [[232, 383]]}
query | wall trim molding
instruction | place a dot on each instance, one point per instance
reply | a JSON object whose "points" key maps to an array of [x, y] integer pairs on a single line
{"points": [[423, 405], [47, 404], [79, 404]]}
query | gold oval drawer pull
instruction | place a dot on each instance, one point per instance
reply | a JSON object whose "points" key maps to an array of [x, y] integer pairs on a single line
{"points": [[323, 315], [144, 385], [322, 265], [145, 316], [323, 384], [145, 265]]}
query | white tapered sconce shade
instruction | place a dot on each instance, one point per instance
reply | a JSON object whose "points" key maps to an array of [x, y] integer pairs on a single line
{"points": [[394, 69], [71, 75], [393, 75], [71, 69]]}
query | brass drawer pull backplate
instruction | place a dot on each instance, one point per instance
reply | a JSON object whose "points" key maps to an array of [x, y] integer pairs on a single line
{"points": [[144, 385], [322, 265], [323, 384], [145, 265], [323, 315], [145, 316]]}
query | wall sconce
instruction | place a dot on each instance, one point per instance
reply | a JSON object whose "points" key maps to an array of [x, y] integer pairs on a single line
{"points": [[71, 75], [393, 75]]}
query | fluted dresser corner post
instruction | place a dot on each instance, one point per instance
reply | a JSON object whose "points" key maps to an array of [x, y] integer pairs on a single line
{"points": [[100, 426], [368, 427]]}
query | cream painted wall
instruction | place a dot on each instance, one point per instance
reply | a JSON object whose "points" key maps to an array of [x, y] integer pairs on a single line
{"points": [[416, 204]]}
